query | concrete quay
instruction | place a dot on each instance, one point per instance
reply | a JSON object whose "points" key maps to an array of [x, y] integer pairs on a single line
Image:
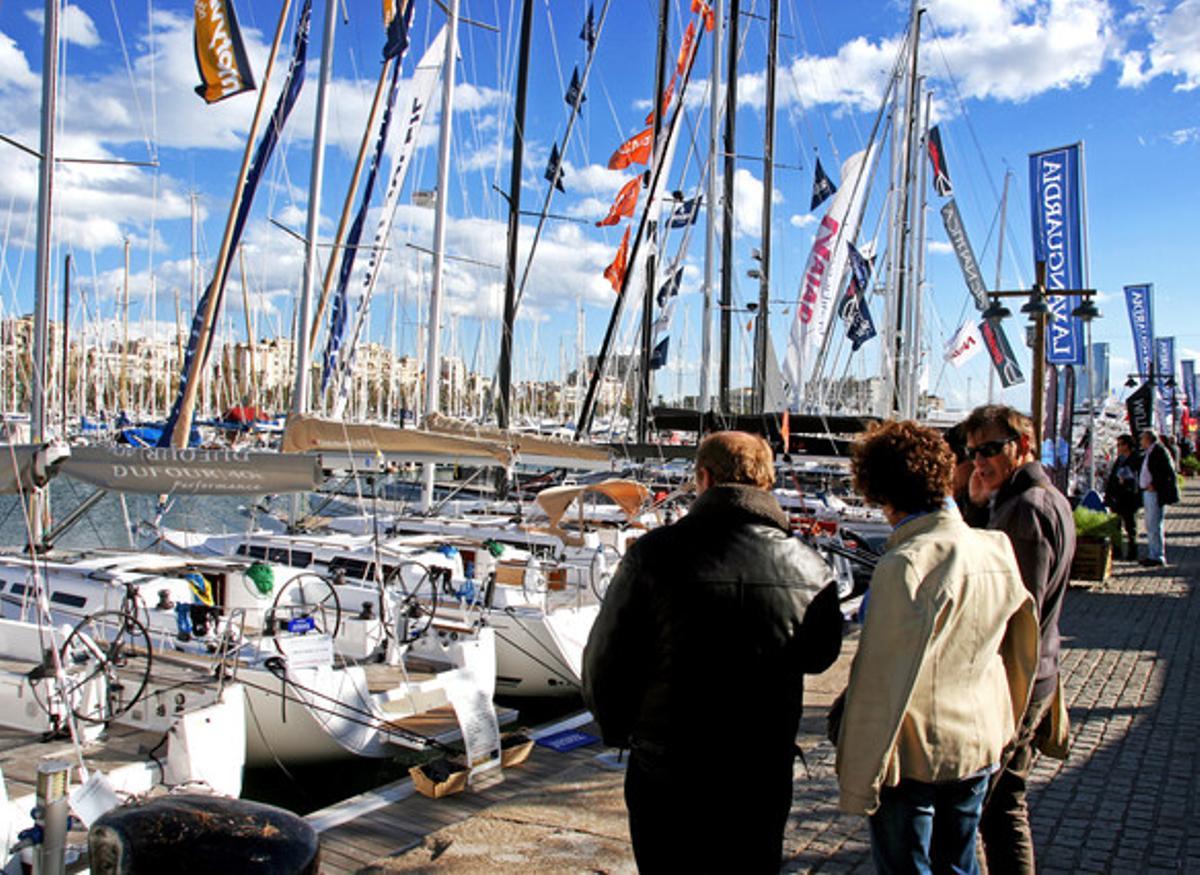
{"points": [[1126, 800]]}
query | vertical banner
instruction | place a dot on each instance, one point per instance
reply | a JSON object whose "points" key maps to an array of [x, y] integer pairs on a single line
{"points": [[220, 56], [1049, 416], [196, 355], [1140, 407], [1164, 371], [1057, 207], [824, 273], [1139, 300], [1001, 354], [1188, 366], [1063, 444], [957, 235]]}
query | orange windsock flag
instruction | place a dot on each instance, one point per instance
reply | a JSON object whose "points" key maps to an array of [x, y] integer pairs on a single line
{"points": [[625, 203], [635, 150], [685, 51], [615, 272], [666, 101], [705, 10]]}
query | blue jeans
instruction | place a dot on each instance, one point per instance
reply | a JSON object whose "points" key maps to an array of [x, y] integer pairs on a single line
{"points": [[1154, 525], [924, 828]]}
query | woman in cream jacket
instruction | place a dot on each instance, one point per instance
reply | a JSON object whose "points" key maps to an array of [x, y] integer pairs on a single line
{"points": [[944, 666]]}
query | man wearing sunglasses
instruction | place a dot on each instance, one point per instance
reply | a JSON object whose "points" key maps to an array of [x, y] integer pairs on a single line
{"points": [[1037, 518]]}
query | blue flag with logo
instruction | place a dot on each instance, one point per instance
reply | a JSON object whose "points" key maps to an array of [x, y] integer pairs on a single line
{"points": [[554, 173], [588, 33], [658, 358], [1188, 366], [1056, 204], [1164, 379], [685, 212], [1139, 300]]}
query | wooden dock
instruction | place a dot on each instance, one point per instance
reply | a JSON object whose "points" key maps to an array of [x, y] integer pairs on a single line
{"points": [[542, 808]]}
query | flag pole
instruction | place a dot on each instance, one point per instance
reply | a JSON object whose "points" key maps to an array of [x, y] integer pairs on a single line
{"points": [[183, 425]]}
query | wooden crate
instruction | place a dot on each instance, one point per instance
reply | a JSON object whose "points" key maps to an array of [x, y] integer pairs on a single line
{"points": [[1093, 559]]}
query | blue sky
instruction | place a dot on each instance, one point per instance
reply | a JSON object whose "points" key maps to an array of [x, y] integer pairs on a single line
{"points": [[1008, 78]]}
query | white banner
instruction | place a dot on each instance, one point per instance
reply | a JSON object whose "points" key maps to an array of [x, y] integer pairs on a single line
{"points": [[965, 345], [824, 273], [404, 144]]}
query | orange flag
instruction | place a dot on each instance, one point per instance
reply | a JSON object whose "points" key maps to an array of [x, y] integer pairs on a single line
{"points": [[666, 101], [685, 51], [625, 203], [705, 10], [615, 272], [635, 150]]}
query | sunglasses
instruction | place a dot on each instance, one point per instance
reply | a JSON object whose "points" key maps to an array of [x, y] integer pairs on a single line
{"points": [[989, 449]]}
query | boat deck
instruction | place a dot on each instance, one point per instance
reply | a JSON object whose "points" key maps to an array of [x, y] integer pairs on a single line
{"points": [[22, 752]]}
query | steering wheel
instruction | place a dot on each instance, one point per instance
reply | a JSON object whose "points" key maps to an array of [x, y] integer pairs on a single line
{"points": [[608, 556], [109, 644], [310, 597], [418, 594]]}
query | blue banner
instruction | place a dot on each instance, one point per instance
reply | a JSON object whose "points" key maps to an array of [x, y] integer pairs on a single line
{"points": [[1139, 300], [195, 357], [341, 298], [1057, 207], [1189, 384], [1164, 370]]}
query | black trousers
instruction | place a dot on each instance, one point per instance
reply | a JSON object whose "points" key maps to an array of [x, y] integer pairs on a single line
{"points": [[1129, 521], [702, 814]]}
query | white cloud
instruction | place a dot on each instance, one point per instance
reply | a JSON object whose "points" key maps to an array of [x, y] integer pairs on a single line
{"points": [[1174, 48], [802, 220], [940, 247], [1008, 50], [1183, 136], [74, 26]]}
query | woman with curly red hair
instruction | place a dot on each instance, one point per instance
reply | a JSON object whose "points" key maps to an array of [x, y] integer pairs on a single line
{"points": [[944, 666]]}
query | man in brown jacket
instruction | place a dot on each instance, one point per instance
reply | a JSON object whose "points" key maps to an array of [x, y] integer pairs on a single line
{"points": [[1037, 518]]}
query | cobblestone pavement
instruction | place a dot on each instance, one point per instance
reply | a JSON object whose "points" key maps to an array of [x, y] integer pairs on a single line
{"points": [[1127, 799]]}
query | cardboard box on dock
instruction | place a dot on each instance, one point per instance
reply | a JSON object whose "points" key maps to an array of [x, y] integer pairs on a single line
{"points": [[439, 778], [515, 748]]}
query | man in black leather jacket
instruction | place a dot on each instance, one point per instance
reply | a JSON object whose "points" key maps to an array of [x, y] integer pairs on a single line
{"points": [[696, 664]]}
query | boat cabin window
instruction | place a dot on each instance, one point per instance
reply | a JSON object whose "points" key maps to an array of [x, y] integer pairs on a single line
{"points": [[68, 598], [357, 569], [17, 589], [280, 555]]}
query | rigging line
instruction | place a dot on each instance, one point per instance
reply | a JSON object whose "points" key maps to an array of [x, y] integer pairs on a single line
{"points": [[137, 101]]}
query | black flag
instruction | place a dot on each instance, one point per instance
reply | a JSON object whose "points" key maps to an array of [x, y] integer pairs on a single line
{"points": [[554, 172], [941, 173], [588, 34], [1140, 407], [823, 187], [658, 358], [575, 95]]}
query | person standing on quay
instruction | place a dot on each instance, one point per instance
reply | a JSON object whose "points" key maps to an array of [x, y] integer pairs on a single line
{"points": [[1159, 489], [944, 666], [1121, 492], [709, 625], [1037, 518]]}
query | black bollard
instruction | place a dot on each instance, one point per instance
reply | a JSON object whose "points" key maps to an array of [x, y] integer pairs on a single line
{"points": [[198, 835]]}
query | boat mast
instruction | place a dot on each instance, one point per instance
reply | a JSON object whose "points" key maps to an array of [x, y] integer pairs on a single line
{"points": [[710, 229], [921, 203], [66, 338], [300, 389], [504, 398], [904, 273], [647, 378], [726, 305], [762, 325], [37, 411], [432, 353]]}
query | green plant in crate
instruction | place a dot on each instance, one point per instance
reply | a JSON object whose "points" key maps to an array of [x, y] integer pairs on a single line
{"points": [[1099, 524], [1190, 465]]}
